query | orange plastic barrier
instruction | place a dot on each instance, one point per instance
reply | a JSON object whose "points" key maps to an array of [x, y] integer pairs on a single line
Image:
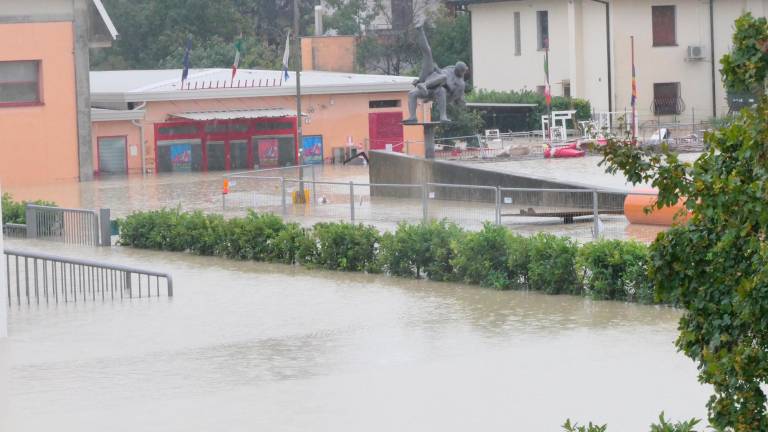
{"points": [[635, 205]]}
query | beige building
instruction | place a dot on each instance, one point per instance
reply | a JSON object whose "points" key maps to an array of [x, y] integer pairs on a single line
{"points": [[678, 46]]}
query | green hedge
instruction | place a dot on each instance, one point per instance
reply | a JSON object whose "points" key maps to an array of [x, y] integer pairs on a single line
{"points": [[15, 212], [440, 251], [533, 122]]}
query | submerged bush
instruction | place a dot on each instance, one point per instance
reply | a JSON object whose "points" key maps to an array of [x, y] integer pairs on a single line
{"points": [[346, 247], [418, 250], [616, 270], [16, 212], [253, 237], [483, 257], [552, 265]]}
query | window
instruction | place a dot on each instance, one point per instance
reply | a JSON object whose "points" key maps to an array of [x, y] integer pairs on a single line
{"points": [[518, 45], [664, 29], [567, 88], [542, 29], [273, 125], [393, 103], [666, 99], [20, 83]]}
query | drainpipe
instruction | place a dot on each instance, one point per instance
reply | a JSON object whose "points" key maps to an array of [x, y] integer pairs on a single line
{"points": [[712, 44], [140, 125], [608, 45]]}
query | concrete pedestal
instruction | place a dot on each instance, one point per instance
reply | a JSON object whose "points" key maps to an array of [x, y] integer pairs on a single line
{"points": [[429, 137]]}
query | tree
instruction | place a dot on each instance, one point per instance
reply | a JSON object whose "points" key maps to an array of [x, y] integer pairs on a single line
{"points": [[351, 17], [716, 266]]}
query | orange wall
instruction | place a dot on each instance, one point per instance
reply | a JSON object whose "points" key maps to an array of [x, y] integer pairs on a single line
{"points": [[38, 144], [118, 128], [335, 117], [328, 53]]}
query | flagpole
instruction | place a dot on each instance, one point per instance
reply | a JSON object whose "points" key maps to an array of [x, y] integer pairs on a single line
{"points": [[299, 132], [549, 91], [634, 93]]}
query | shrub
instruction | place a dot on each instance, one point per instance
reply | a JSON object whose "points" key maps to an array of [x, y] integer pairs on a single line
{"points": [[483, 257], [346, 247], [253, 237], [575, 427], [200, 233], [615, 270], [414, 250], [16, 212], [552, 265], [519, 249], [294, 245], [157, 229], [665, 426]]}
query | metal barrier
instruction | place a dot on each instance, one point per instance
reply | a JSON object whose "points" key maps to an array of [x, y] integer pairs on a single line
{"points": [[55, 279], [69, 225], [583, 214], [12, 230]]}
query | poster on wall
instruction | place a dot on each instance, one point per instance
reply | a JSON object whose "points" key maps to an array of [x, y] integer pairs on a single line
{"points": [[312, 150], [268, 153], [181, 157]]}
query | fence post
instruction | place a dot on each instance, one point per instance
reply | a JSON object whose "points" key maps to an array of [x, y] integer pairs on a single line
{"points": [[169, 281], [282, 198], [498, 205], [425, 202], [105, 227], [31, 217], [595, 216], [314, 187], [352, 201]]}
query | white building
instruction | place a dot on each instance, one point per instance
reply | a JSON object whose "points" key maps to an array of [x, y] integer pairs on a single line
{"points": [[678, 46]]}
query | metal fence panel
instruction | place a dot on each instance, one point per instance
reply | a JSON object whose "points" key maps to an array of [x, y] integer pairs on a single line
{"points": [[42, 278]]}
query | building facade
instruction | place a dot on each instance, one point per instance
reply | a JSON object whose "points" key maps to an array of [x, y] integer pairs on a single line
{"points": [[147, 121], [44, 87], [678, 45]]}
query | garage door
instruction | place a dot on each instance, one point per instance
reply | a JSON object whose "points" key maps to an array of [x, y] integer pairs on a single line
{"points": [[385, 131], [112, 155]]}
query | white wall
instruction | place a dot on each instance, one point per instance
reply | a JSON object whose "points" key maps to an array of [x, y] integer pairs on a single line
{"points": [[594, 54], [495, 66]]}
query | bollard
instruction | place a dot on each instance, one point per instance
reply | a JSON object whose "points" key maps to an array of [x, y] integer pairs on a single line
{"points": [[352, 201]]}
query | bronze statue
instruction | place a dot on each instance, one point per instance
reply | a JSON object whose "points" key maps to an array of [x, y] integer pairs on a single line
{"points": [[442, 86]]}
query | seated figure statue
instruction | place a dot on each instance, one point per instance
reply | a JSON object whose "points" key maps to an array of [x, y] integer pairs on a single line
{"points": [[442, 86]]}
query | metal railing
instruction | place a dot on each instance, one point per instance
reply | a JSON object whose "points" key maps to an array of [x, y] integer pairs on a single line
{"points": [[68, 225], [37, 277], [12, 230], [580, 213]]}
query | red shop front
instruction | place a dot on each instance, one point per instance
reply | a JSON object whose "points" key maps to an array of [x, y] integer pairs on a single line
{"points": [[213, 142]]}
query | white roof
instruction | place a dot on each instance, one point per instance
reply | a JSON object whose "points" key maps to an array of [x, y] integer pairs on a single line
{"points": [[165, 84], [237, 114]]}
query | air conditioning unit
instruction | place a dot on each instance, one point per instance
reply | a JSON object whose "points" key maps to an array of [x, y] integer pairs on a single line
{"points": [[695, 53]]}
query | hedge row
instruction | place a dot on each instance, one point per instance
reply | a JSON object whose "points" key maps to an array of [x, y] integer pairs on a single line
{"points": [[440, 251]]}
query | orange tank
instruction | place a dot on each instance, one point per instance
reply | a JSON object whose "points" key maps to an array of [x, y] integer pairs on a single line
{"points": [[641, 198]]}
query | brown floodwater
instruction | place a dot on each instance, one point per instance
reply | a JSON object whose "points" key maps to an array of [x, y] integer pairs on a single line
{"points": [[244, 346]]}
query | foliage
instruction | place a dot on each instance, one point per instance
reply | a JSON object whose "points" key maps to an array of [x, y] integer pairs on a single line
{"points": [[153, 33], [15, 212], [715, 267], [615, 270], [575, 427], [346, 247], [482, 257], [552, 265], [440, 251], [464, 122], [582, 107], [745, 68], [350, 17], [449, 37], [665, 426]]}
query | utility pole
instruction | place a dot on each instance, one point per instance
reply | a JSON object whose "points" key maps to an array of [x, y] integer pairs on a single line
{"points": [[299, 119]]}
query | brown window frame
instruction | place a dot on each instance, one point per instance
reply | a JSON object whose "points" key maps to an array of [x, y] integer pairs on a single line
{"points": [[39, 100], [542, 30], [659, 38]]}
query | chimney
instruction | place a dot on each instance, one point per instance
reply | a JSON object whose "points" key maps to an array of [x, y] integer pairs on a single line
{"points": [[318, 20]]}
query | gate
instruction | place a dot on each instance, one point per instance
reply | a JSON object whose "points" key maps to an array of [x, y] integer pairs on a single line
{"points": [[386, 131]]}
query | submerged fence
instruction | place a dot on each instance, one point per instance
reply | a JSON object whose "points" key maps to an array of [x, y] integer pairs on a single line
{"points": [[42, 278], [67, 225], [581, 213]]}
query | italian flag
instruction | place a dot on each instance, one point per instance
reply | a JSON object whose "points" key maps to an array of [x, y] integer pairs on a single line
{"points": [[238, 51], [547, 88]]}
